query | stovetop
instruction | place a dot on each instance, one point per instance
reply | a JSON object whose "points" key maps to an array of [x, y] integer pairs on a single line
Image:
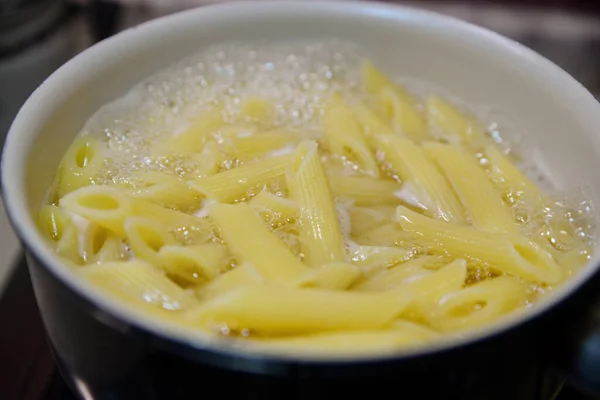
{"points": [[27, 371]]}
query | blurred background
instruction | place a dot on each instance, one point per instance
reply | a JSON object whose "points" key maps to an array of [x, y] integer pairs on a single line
{"points": [[37, 36]]}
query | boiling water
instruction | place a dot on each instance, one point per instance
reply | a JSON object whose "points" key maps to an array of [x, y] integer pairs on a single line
{"points": [[295, 77]]}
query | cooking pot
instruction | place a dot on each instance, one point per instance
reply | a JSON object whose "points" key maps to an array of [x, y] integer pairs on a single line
{"points": [[107, 351]]}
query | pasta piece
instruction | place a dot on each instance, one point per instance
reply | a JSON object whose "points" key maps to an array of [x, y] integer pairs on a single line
{"points": [[509, 178], [146, 238], [344, 137], [80, 165], [113, 249], [235, 183], [405, 117], [374, 81], [414, 167], [371, 124], [251, 241], [195, 263], [513, 254], [364, 219], [239, 277], [319, 232], [139, 283], [345, 343], [259, 111], [193, 138], [481, 200], [338, 276], [387, 235], [479, 304], [56, 224], [165, 190], [278, 141], [415, 329], [364, 191], [276, 310], [371, 258], [275, 209], [413, 276], [452, 123], [108, 207], [209, 159]]}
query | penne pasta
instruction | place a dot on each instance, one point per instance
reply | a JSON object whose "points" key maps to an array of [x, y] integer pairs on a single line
{"points": [[370, 258], [80, 165], [58, 227], [320, 234], [479, 304], [165, 190], [346, 343], [364, 219], [236, 278], [513, 254], [257, 110], [403, 115], [277, 142], [251, 241], [236, 183], [447, 121], [139, 283], [193, 138], [108, 207], [209, 159], [195, 263], [427, 184], [275, 310], [338, 276], [365, 191], [344, 136], [482, 202], [146, 238], [269, 203]]}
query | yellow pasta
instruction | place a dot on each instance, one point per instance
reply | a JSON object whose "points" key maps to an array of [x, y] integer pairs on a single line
{"points": [[193, 138], [251, 241], [195, 263], [426, 183], [80, 165], [276, 141], [109, 207], [234, 279], [482, 202], [138, 282], [58, 227], [513, 254], [324, 218], [164, 190], [448, 121], [376, 257], [479, 304], [146, 238], [236, 183], [364, 219], [364, 191], [344, 137], [347, 343], [257, 110], [320, 233], [337, 275], [275, 310], [209, 159], [405, 118]]}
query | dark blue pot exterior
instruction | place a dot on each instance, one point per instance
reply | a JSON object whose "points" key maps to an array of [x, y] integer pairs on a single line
{"points": [[111, 359]]}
